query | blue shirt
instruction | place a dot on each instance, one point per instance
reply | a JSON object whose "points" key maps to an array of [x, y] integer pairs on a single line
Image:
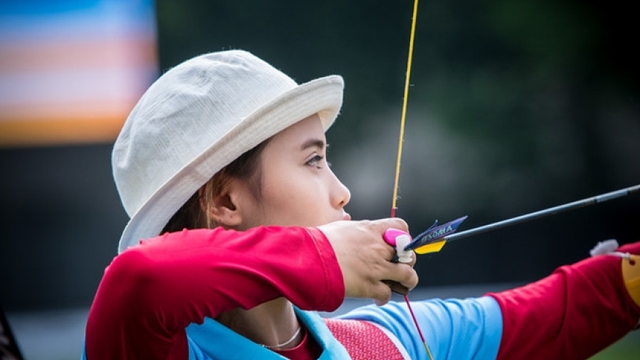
{"points": [[453, 329]]}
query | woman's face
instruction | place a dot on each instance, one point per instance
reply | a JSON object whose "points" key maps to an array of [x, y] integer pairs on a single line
{"points": [[297, 186]]}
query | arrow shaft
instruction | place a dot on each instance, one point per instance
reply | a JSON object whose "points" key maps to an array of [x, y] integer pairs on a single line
{"points": [[542, 213]]}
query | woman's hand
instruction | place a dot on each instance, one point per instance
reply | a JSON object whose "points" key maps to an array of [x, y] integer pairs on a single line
{"points": [[366, 259]]}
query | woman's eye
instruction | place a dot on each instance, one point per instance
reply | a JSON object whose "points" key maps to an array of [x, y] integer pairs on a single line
{"points": [[316, 161]]}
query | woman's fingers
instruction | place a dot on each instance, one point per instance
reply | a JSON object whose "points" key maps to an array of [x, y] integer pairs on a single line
{"points": [[366, 259], [396, 287]]}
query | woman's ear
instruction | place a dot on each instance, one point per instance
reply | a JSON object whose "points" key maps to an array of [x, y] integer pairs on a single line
{"points": [[222, 211], [228, 205]]}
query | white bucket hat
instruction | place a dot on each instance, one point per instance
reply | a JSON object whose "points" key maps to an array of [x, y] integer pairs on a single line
{"points": [[197, 118]]}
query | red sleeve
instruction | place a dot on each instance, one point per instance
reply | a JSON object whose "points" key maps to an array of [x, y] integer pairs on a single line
{"points": [[150, 293], [572, 314]]}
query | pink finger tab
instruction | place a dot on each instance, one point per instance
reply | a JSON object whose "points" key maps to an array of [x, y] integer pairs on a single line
{"points": [[390, 236]]}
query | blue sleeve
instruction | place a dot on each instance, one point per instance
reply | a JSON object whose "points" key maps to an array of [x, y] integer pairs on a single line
{"points": [[454, 329]]}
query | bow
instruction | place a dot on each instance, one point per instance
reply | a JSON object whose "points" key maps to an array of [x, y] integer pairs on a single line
{"points": [[398, 161]]}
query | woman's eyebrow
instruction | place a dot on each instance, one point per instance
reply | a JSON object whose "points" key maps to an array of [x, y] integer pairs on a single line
{"points": [[313, 143]]}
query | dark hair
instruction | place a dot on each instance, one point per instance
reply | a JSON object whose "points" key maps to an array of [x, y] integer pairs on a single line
{"points": [[193, 214]]}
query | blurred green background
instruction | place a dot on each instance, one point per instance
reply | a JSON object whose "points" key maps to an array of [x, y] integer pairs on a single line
{"points": [[626, 349], [514, 106]]}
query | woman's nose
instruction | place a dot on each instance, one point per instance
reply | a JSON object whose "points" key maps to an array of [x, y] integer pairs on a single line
{"points": [[340, 194]]}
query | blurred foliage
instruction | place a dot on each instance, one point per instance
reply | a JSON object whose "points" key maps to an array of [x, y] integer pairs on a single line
{"points": [[627, 348], [514, 107]]}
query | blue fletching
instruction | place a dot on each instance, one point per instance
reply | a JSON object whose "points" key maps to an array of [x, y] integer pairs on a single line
{"points": [[435, 223], [435, 233]]}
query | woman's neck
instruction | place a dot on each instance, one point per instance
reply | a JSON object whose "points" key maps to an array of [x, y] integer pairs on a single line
{"points": [[270, 323]]}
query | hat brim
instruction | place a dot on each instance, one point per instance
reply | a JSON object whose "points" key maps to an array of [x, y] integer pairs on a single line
{"points": [[322, 96]]}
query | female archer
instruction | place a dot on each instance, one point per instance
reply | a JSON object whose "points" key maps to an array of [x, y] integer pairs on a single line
{"points": [[238, 234]]}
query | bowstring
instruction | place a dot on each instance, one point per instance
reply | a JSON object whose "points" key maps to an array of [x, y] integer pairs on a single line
{"points": [[394, 206], [403, 117]]}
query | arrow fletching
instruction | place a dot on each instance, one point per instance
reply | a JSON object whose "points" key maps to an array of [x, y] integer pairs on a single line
{"points": [[432, 239]]}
